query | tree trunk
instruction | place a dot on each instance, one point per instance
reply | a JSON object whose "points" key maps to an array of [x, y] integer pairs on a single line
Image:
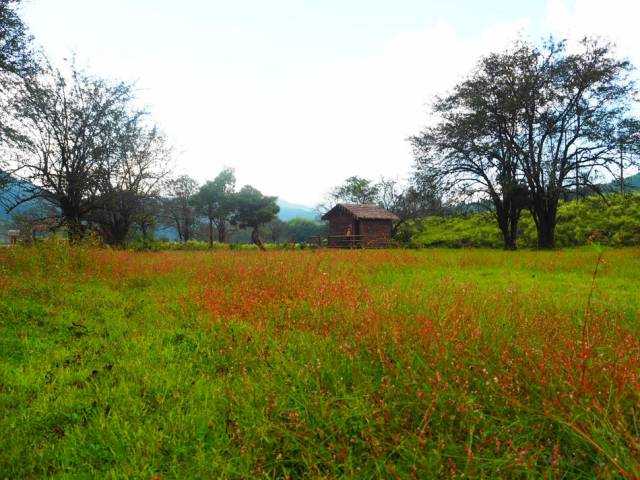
{"points": [[621, 173], [507, 222], [546, 228], [255, 238], [221, 232], [210, 233], [509, 231], [544, 210]]}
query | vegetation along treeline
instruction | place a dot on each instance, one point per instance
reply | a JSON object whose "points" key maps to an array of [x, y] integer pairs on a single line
{"points": [[80, 153], [528, 128]]}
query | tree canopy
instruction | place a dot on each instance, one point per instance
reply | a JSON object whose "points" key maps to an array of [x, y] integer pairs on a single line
{"points": [[216, 201], [528, 125], [68, 132], [254, 209]]}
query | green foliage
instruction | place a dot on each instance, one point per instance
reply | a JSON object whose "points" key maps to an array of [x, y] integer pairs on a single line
{"points": [[253, 208], [356, 190], [16, 52], [216, 200], [301, 229], [478, 230], [148, 245], [611, 220]]}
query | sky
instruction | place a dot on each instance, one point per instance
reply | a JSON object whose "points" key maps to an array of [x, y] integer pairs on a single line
{"points": [[297, 95]]}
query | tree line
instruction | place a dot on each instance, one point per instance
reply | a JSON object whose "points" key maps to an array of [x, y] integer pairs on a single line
{"points": [[527, 127], [80, 144], [219, 203]]}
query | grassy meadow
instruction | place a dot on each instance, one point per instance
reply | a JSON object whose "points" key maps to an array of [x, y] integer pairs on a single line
{"points": [[319, 364]]}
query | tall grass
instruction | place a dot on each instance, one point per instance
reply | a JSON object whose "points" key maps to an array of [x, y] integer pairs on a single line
{"points": [[319, 364]]}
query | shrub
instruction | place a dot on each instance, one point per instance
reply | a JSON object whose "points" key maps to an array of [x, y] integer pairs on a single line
{"points": [[611, 220]]}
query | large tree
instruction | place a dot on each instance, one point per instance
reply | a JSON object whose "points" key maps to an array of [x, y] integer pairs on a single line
{"points": [[216, 200], [253, 209], [17, 61], [526, 125], [467, 149], [16, 54], [65, 132], [570, 104], [130, 181]]}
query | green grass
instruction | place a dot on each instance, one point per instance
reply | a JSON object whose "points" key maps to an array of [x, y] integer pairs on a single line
{"points": [[317, 364]]}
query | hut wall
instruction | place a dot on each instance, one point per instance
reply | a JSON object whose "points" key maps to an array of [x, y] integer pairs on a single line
{"points": [[338, 225], [377, 233]]}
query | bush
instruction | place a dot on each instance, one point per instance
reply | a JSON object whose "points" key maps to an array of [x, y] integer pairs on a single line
{"points": [[611, 220], [149, 245]]}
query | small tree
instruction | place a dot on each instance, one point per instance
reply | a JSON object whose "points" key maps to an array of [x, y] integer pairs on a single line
{"points": [[216, 201], [627, 137], [177, 206], [253, 209], [276, 231], [410, 202], [356, 190]]}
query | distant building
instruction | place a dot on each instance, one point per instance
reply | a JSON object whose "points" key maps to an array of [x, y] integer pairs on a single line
{"points": [[359, 226]]}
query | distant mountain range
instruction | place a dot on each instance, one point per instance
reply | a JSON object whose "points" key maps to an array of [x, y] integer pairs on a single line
{"points": [[631, 183], [289, 211]]}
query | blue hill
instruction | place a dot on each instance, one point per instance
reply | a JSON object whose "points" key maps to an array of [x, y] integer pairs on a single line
{"points": [[289, 211]]}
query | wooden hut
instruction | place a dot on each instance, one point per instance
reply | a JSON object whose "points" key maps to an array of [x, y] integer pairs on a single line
{"points": [[359, 226]]}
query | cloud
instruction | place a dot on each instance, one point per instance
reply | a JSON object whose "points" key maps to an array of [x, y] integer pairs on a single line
{"points": [[615, 20], [291, 113], [298, 134]]}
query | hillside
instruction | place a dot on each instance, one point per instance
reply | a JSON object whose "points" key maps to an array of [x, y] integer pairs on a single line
{"points": [[630, 183], [611, 220], [289, 211]]}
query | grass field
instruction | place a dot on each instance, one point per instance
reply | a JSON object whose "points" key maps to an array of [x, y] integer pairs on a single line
{"points": [[319, 364]]}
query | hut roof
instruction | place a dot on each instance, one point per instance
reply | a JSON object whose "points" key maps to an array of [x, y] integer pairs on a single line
{"points": [[362, 212]]}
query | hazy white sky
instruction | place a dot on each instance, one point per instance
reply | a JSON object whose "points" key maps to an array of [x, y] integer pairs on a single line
{"points": [[297, 95]]}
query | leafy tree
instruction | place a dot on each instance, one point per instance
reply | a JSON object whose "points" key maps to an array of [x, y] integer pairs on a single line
{"points": [[276, 231], [65, 133], [526, 125], [149, 208], [17, 61], [16, 54], [356, 190], [410, 202], [570, 105], [129, 181], [177, 206], [253, 209], [216, 201], [301, 229], [467, 152]]}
